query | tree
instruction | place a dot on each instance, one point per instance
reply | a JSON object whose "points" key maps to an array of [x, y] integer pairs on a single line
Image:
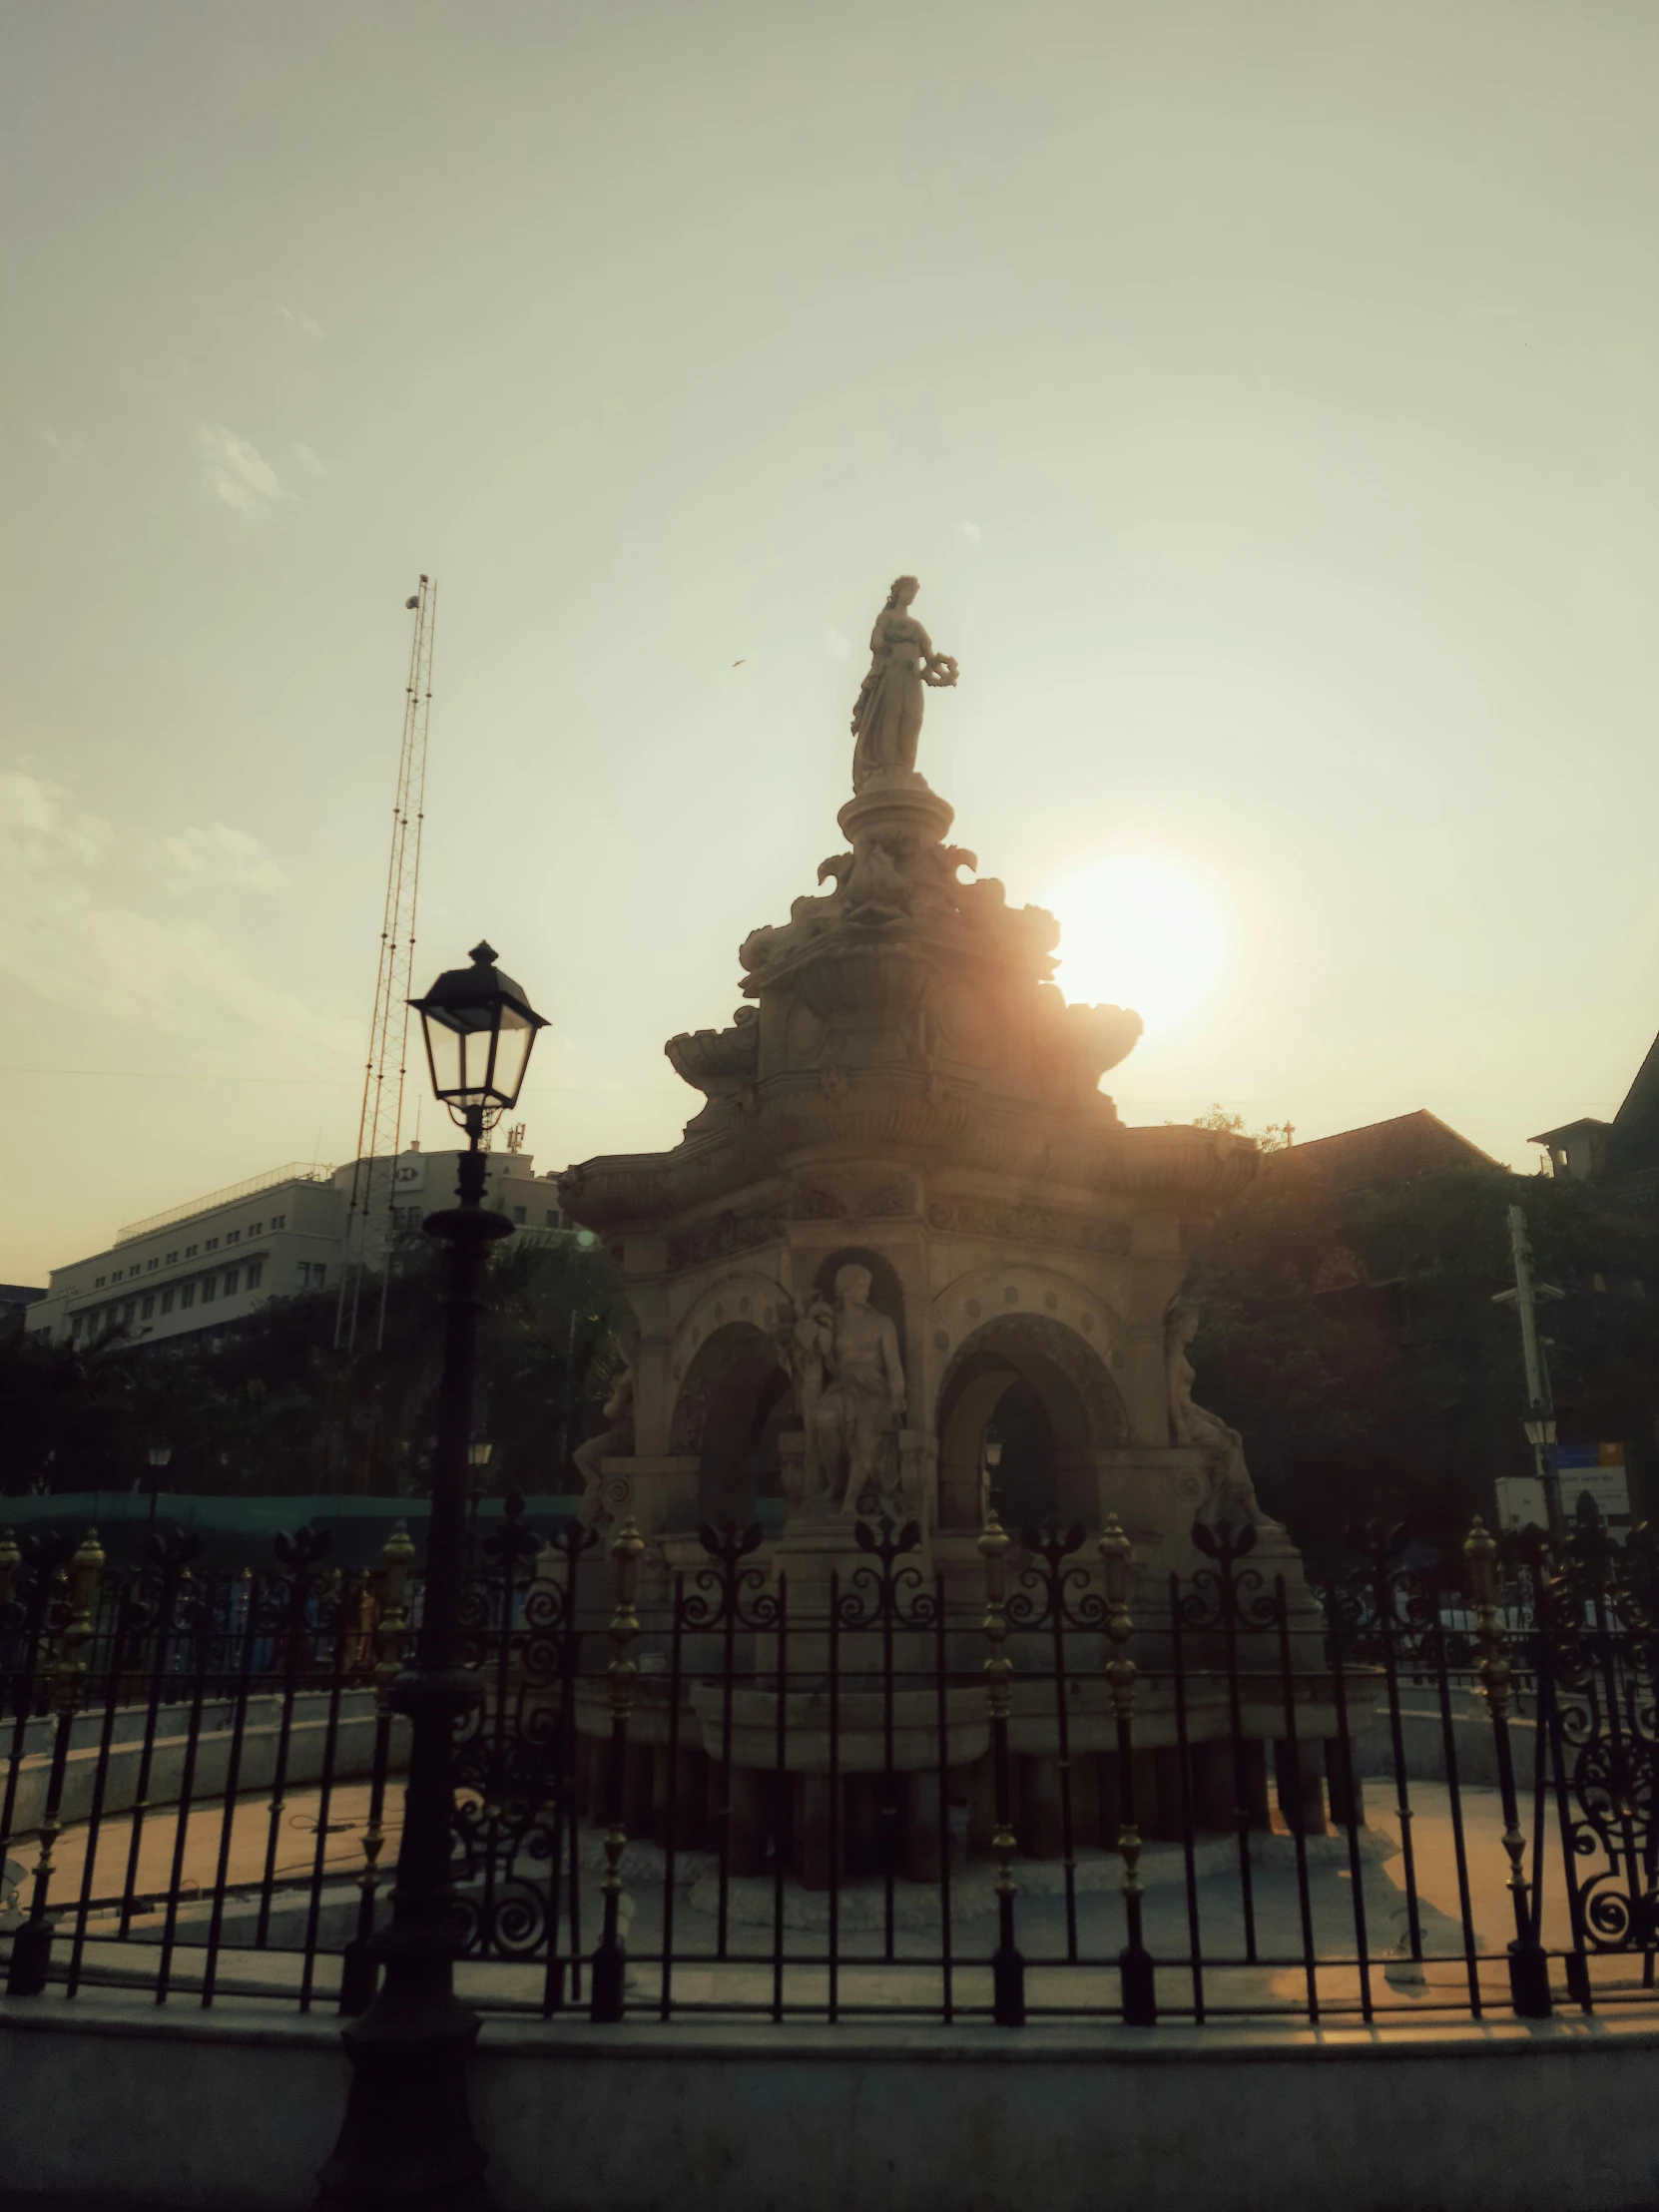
{"points": [[1276, 1137], [1352, 1338], [270, 1408]]}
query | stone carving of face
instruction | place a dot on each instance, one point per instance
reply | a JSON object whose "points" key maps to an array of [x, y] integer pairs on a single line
{"points": [[852, 1284], [905, 590]]}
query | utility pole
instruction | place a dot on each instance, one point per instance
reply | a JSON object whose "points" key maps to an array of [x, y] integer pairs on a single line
{"points": [[1539, 1423]]}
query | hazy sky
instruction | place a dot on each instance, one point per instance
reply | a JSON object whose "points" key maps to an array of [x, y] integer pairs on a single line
{"points": [[1265, 394]]}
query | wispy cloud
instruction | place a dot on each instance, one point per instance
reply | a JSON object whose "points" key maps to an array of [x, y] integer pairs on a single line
{"points": [[221, 855], [55, 441], [970, 534], [302, 321], [238, 473], [76, 927], [307, 460]]}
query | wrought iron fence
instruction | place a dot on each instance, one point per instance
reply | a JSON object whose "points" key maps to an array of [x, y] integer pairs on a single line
{"points": [[1028, 1779]]}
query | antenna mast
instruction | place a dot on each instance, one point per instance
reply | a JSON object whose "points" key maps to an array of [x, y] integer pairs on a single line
{"points": [[371, 1222]]}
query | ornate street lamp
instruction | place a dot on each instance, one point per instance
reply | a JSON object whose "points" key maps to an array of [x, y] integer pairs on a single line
{"points": [[479, 1029], [407, 2134]]}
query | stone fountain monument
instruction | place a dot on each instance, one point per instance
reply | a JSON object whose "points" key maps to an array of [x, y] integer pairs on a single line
{"points": [[906, 1213]]}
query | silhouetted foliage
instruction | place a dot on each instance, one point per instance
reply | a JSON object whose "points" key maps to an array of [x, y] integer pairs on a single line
{"points": [[268, 1406], [1352, 1338]]}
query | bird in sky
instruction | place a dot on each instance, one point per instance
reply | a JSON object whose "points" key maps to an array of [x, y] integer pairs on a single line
{"points": [[737, 664]]}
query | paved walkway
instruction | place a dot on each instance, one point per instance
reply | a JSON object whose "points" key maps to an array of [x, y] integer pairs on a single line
{"points": [[1070, 1948]]}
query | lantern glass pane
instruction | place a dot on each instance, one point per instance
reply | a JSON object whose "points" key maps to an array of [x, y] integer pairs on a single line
{"points": [[445, 1046], [512, 1052], [475, 1054]]}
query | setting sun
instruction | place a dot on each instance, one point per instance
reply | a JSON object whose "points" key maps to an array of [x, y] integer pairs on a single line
{"points": [[1140, 933]]}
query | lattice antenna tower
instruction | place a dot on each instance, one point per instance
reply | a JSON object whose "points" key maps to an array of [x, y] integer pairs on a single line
{"points": [[372, 1223]]}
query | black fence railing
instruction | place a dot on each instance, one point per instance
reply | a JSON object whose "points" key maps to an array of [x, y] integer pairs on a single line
{"points": [[710, 1780]]}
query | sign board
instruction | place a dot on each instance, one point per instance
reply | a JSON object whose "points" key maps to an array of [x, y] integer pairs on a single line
{"points": [[409, 1173], [1600, 1470], [1520, 1503]]}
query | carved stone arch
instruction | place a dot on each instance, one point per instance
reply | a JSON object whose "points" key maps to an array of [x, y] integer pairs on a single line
{"points": [[1064, 1392], [1030, 1286], [730, 1405], [745, 1296]]}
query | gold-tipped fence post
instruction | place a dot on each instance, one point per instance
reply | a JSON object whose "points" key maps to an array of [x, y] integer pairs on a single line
{"points": [[610, 1960], [32, 1944], [1007, 1965], [1528, 1960], [1140, 2002], [359, 1967]]}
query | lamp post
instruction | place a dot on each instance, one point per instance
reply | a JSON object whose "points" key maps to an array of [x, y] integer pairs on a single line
{"points": [[990, 1459], [159, 1455], [1539, 1424], [1540, 1435], [406, 2139], [478, 1459]]}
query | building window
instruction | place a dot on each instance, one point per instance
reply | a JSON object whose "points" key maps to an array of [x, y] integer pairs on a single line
{"points": [[186, 1296], [279, 1221], [147, 1312], [213, 1243], [210, 1288], [519, 1214], [127, 1314], [256, 1269], [255, 1228], [230, 1282], [75, 1326], [191, 1251], [98, 1282], [171, 1258], [166, 1302], [319, 1273], [234, 1237], [555, 1220]]}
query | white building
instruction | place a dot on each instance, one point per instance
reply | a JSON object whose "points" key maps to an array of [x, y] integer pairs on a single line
{"points": [[210, 1263]]}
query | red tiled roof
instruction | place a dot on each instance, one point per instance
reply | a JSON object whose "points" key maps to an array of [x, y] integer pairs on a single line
{"points": [[1381, 1152]]}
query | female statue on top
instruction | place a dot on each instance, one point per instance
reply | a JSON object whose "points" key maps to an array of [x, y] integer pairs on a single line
{"points": [[887, 717]]}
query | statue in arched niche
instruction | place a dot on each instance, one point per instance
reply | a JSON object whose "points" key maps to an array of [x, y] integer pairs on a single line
{"points": [[1230, 1499], [851, 1381]]}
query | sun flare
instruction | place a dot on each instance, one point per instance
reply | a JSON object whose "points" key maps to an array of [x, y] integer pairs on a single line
{"points": [[1142, 933]]}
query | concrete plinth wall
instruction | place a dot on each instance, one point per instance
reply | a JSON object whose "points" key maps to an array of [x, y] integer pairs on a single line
{"points": [[106, 2103]]}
